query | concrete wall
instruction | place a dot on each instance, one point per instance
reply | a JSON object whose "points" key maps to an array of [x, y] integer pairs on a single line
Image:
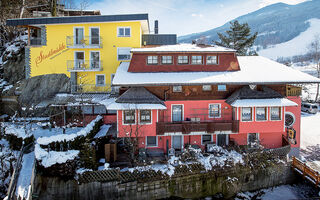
{"points": [[227, 183]]}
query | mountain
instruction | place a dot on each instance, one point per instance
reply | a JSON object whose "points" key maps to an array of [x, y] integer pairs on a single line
{"points": [[275, 24]]}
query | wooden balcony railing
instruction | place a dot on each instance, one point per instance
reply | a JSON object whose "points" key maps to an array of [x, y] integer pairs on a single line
{"points": [[187, 127], [293, 90]]}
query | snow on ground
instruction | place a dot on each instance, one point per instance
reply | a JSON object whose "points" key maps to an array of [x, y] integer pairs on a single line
{"points": [[24, 179], [103, 131], [296, 46], [50, 158]]}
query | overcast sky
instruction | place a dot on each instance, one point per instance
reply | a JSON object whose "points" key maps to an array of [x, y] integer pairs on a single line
{"points": [[184, 16]]}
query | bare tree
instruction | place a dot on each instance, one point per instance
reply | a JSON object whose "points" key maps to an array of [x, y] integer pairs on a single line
{"points": [[314, 49], [84, 4]]}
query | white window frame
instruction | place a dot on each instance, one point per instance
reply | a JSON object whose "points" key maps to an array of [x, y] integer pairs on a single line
{"points": [[152, 59], [173, 90], [181, 110], [166, 60], [221, 86], [293, 116], [119, 48], [258, 137], [183, 59], [145, 123], [135, 117], [74, 34], [227, 138], [90, 59], [270, 113], [216, 63], [196, 59], [90, 34], [202, 138], [75, 58], [206, 90], [252, 111], [97, 80], [146, 142], [219, 110], [266, 114], [124, 31]]}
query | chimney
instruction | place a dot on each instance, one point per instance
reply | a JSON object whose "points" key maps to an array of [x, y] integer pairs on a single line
{"points": [[156, 27]]}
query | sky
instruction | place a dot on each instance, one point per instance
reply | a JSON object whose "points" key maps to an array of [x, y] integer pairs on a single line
{"points": [[184, 16]]}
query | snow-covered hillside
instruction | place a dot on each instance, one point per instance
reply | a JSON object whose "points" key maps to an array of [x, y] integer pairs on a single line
{"points": [[296, 46]]}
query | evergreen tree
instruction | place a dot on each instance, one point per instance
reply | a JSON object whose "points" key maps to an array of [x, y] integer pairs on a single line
{"points": [[238, 38]]}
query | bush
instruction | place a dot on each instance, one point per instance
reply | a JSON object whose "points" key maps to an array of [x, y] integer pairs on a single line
{"points": [[16, 142]]}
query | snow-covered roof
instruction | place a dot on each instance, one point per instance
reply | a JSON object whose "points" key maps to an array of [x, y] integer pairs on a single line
{"points": [[131, 106], [263, 102], [184, 48], [253, 70]]}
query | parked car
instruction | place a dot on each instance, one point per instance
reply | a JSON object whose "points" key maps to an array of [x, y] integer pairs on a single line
{"points": [[309, 107]]}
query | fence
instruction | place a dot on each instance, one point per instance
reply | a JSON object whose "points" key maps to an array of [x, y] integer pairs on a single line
{"points": [[84, 65], [306, 171]]}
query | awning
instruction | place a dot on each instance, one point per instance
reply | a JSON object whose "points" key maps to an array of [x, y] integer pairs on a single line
{"points": [[129, 106], [263, 102]]}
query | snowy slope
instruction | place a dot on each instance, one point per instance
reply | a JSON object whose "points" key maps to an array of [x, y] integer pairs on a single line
{"points": [[24, 179], [296, 46]]}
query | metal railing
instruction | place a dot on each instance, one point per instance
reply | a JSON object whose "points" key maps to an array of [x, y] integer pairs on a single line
{"points": [[84, 65], [293, 90], [84, 42], [91, 88], [35, 41]]}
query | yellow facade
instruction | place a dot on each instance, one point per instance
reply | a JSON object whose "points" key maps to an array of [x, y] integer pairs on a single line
{"points": [[53, 57]]}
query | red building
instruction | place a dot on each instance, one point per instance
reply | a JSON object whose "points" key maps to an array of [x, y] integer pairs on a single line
{"points": [[195, 94]]}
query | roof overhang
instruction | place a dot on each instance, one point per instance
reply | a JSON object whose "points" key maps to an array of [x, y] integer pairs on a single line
{"points": [[263, 102], [128, 106]]}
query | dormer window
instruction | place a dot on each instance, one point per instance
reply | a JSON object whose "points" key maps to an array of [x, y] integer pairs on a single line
{"points": [[183, 60], [212, 60], [166, 59], [152, 60], [196, 60]]}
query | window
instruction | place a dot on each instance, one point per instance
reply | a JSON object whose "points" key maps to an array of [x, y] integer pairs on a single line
{"points": [[212, 60], [87, 110], [261, 114], [246, 114], [289, 119], [79, 60], [196, 60], [177, 88], [145, 116], [100, 80], [79, 36], [124, 31], [94, 59], [99, 109], [129, 116], [124, 53], [152, 60], [166, 59], [183, 60], [253, 139], [214, 110], [222, 88], [151, 141], [206, 87], [95, 35], [275, 113], [177, 113], [206, 139]]}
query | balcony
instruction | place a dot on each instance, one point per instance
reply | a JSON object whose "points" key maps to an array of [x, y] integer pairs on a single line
{"points": [[293, 90], [84, 42], [84, 66], [187, 127], [91, 88]]}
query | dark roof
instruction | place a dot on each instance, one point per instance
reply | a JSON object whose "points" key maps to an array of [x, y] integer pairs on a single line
{"points": [[247, 93], [159, 39], [76, 19], [138, 95]]}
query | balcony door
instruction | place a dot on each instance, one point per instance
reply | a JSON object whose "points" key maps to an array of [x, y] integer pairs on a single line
{"points": [[222, 139], [177, 113], [95, 36], [79, 60], [94, 59], [177, 142], [78, 36]]}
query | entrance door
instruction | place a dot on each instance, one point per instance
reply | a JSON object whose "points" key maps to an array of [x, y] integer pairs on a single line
{"points": [[79, 60], [222, 139], [94, 36], [177, 113], [78, 36], [177, 142]]}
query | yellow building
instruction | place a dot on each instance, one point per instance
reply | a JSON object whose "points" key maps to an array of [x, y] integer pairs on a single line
{"points": [[88, 49]]}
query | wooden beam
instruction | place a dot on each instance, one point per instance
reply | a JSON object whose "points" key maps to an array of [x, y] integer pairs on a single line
{"points": [[28, 36]]}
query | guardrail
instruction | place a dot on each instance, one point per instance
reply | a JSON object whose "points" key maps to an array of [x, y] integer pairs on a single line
{"points": [[307, 172], [293, 90], [84, 65], [84, 42]]}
